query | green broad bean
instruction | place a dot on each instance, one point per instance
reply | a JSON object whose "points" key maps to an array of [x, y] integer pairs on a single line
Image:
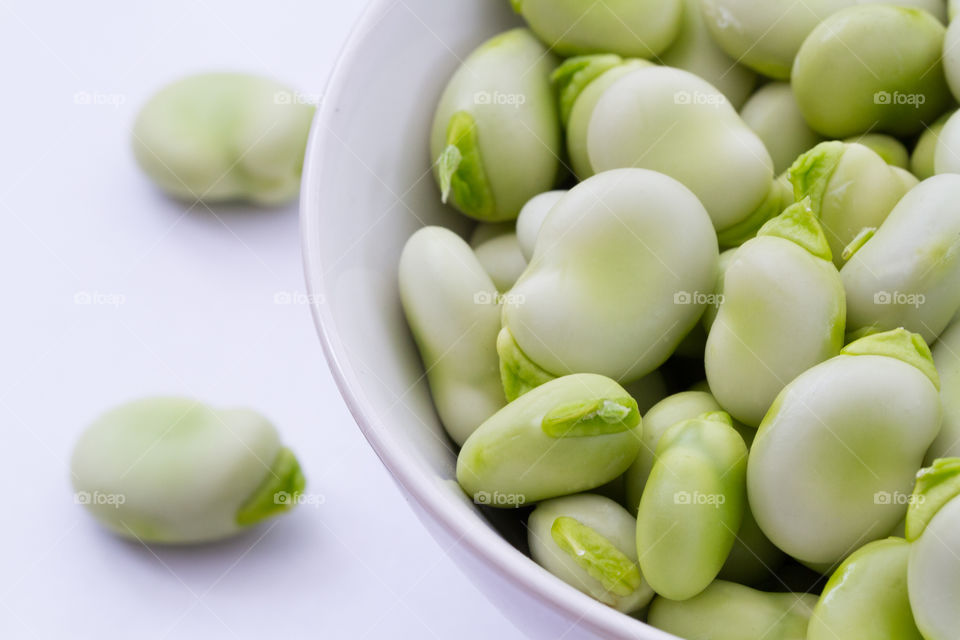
{"points": [[850, 187], [441, 278], [923, 158], [852, 431], [692, 506], [866, 597], [773, 114], [782, 312], [951, 58], [752, 554], [671, 121], [695, 50], [672, 410], [581, 83], [872, 67], [908, 273], [586, 540], [946, 155], [729, 611], [218, 137], [615, 246], [566, 436], [933, 574], [633, 28], [498, 250], [710, 313], [937, 485], [887, 147], [946, 357], [174, 471], [531, 219], [496, 138], [766, 36]]}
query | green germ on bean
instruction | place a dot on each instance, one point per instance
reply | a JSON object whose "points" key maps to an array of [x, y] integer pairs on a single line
{"points": [[567, 435], [495, 140], [174, 471], [222, 137], [587, 541]]}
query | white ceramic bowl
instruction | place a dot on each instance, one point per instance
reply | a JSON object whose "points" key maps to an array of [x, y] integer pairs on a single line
{"points": [[367, 187]]}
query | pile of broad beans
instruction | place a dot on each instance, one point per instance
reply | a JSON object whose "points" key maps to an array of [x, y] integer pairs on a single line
{"points": [[703, 337]]}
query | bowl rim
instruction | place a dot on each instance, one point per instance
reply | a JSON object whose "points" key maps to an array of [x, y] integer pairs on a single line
{"points": [[481, 542]]}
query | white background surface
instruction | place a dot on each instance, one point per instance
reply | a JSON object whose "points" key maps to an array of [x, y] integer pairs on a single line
{"points": [[181, 301]]}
